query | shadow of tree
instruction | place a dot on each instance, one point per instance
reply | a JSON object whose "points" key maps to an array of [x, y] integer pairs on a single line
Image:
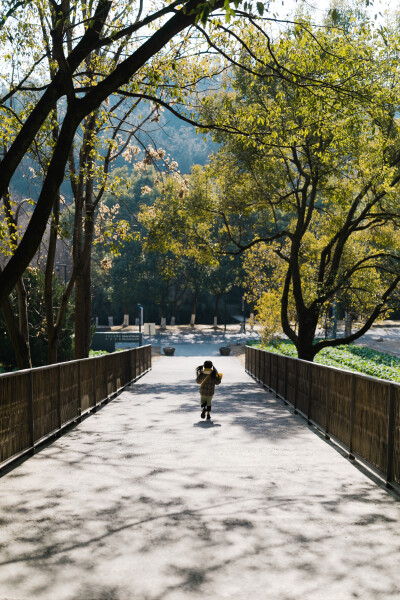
{"points": [[139, 502]]}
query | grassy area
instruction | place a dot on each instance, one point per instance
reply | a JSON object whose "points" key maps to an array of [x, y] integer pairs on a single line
{"points": [[351, 358]]}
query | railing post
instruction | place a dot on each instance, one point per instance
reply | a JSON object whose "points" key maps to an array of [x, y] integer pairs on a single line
{"points": [[309, 400], [390, 441], [106, 371], [95, 384], [270, 372], [352, 399], [251, 361], [30, 413], [286, 380], [263, 359], [296, 384], [79, 391], [327, 381], [59, 414], [130, 365]]}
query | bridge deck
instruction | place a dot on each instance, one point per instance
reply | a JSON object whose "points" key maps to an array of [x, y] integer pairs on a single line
{"points": [[146, 501]]}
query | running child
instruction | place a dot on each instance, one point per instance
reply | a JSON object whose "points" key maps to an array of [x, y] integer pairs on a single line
{"points": [[208, 377]]}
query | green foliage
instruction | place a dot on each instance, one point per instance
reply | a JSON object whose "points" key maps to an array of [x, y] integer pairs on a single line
{"points": [[314, 176], [93, 353], [34, 280], [350, 358]]}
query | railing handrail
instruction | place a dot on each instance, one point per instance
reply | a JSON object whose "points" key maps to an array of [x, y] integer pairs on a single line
{"points": [[358, 411], [39, 403], [67, 362], [302, 360]]}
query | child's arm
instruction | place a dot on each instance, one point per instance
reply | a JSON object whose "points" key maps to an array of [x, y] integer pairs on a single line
{"points": [[200, 378]]}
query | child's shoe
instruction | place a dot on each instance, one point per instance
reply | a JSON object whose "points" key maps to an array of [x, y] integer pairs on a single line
{"points": [[203, 413], [208, 417]]}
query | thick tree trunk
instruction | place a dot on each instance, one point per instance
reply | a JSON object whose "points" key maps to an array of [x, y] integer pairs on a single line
{"points": [[52, 334], [83, 312], [19, 343], [23, 316], [18, 330], [306, 349]]}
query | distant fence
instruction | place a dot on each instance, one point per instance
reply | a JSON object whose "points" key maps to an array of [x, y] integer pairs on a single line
{"points": [[360, 412], [38, 403]]}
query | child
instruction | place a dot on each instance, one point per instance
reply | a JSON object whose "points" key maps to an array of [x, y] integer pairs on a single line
{"points": [[208, 377]]}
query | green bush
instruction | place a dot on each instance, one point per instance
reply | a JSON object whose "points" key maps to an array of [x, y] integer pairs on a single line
{"points": [[93, 353], [350, 358]]}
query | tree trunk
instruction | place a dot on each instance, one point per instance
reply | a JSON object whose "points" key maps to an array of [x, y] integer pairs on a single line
{"points": [[306, 349], [194, 309], [52, 336], [19, 343], [19, 332], [347, 324], [23, 317], [83, 312], [217, 298]]}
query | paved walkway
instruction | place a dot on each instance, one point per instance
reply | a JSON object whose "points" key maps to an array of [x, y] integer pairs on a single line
{"points": [[145, 501]]}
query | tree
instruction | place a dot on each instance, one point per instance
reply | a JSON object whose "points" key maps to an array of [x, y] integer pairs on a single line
{"points": [[327, 191], [38, 342], [79, 31], [315, 173]]}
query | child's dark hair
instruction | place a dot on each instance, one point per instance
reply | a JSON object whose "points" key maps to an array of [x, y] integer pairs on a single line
{"points": [[207, 365]]}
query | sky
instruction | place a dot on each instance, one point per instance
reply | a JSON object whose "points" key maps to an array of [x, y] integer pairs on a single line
{"points": [[285, 8]]}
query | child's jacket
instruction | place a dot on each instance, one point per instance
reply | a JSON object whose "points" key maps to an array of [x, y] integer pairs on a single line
{"points": [[209, 386]]}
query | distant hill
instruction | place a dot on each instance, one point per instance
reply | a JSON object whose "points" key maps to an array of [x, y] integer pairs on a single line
{"points": [[178, 138]]}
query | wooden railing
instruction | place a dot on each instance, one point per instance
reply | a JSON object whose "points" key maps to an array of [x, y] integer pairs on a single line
{"points": [[362, 413], [36, 404]]}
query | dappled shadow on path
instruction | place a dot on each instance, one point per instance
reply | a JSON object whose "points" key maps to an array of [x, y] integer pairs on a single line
{"points": [[248, 406], [175, 544], [146, 501]]}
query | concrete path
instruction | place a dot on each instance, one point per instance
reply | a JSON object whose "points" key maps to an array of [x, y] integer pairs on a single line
{"points": [[146, 501]]}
